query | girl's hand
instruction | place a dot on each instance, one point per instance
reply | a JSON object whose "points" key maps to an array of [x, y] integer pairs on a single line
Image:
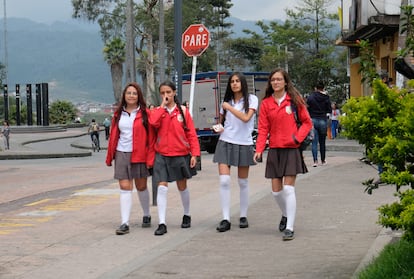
{"points": [[225, 105], [257, 157], [193, 161]]}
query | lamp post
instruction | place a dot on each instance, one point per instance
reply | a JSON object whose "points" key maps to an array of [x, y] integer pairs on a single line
{"points": [[5, 42], [5, 89]]}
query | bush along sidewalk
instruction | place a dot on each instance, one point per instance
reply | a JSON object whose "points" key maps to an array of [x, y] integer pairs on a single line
{"points": [[384, 123]]}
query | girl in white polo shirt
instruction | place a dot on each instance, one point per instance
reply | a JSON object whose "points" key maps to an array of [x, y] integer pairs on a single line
{"points": [[235, 145]]}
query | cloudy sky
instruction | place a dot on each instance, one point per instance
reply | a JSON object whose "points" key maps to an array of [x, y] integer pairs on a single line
{"points": [[48, 11]]}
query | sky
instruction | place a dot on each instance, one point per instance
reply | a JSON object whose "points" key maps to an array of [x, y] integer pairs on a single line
{"points": [[48, 11]]}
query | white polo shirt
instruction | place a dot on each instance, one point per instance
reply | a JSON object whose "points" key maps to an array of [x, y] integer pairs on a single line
{"points": [[235, 130], [125, 126]]}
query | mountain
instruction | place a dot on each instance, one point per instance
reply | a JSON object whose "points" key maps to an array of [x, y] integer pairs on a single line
{"points": [[67, 55], [239, 25]]}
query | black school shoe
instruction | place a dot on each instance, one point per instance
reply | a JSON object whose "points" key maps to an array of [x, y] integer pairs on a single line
{"points": [[162, 229], [243, 223], [288, 235], [123, 229], [186, 222], [146, 221], [282, 224], [224, 226]]}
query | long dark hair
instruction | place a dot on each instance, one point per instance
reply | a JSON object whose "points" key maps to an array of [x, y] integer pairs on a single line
{"points": [[171, 85], [141, 102], [228, 96], [291, 90]]}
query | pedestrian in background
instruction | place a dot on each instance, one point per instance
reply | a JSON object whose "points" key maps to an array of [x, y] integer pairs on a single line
{"points": [[235, 146], [5, 132], [177, 148], [284, 160], [334, 120], [319, 106], [107, 125], [131, 146]]}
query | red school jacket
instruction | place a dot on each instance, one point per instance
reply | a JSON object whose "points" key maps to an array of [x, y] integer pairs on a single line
{"points": [[172, 139], [279, 123], [142, 143]]}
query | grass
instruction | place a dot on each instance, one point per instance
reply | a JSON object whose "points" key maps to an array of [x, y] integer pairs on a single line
{"points": [[395, 261]]}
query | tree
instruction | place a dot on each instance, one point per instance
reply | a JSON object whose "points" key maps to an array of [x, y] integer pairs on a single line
{"points": [[303, 45], [319, 61], [114, 52], [211, 13], [62, 112]]}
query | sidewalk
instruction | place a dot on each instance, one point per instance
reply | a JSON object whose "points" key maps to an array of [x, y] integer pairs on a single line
{"points": [[336, 230], [24, 146], [31, 146]]}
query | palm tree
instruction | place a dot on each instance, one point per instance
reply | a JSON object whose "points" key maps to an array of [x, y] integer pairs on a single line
{"points": [[114, 54]]}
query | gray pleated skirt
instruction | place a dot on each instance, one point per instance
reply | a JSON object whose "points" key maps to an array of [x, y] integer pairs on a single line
{"points": [[234, 154], [124, 169], [169, 169]]}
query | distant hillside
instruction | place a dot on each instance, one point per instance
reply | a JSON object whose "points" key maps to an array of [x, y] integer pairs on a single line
{"points": [[67, 55]]}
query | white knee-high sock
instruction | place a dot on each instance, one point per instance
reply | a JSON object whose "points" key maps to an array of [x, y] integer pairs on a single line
{"points": [[125, 199], [225, 195], [185, 200], [290, 198], [280, 200], [162, 203], [145, 201], [244, 196]]}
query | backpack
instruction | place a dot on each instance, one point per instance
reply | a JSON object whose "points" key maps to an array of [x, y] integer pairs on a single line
{"points": [[95, 127], [309, 138]]}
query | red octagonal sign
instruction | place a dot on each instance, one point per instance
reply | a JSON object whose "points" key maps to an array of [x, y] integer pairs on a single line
{"points": [[195, 40]]}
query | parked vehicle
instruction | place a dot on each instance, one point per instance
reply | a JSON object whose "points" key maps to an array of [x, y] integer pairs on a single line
{"points": [[209, 91]]}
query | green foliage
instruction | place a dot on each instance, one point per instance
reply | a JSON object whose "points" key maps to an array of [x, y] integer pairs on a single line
{"points": [[384, 123], [62, 112], [394, 262], [367, 62], [400, 215], [13, 114], [303, 44], [114, 51], [407, 24]]}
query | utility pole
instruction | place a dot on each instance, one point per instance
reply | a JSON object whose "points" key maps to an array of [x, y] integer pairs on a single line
{"points": [[162, 42], [130, 45], [178, 54]]}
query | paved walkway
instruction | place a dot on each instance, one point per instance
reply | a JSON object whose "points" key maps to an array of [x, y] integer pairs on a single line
{"points": [[336, 230]]}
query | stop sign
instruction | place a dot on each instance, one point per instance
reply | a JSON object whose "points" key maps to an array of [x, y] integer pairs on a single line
{"points": [[195, 40]]}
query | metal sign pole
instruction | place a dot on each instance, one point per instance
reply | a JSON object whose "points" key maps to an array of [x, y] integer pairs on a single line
{"points": [[192, 86]]}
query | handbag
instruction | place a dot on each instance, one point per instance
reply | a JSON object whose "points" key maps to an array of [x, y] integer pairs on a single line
{"points": [[309, 138]]}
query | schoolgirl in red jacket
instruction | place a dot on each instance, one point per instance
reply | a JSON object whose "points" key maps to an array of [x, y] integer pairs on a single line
{"points": [[131, 146], [177, 148], [284, 159]]}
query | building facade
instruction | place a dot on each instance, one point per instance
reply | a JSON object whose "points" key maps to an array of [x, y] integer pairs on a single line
{"points": [[375, 21]]}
